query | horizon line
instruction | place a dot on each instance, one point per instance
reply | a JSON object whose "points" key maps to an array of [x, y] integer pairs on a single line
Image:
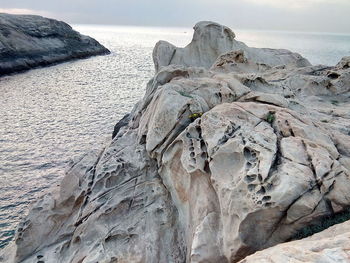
{"points": [[232, 28]]}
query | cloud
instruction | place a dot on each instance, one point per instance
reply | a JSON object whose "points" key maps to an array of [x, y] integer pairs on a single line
{"points": [[299, 15], [24, 11], [295, 4], [17, 11]]}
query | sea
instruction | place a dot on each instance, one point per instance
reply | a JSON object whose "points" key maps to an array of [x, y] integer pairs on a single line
{"points": [[49, 116]]}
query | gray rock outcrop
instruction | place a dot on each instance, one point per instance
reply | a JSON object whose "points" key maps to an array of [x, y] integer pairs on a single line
{"points": [[215, 163], [28, 41]]}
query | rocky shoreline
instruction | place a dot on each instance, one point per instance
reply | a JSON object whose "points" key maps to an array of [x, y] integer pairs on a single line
{"points": [[29, 41], [232, 150]]}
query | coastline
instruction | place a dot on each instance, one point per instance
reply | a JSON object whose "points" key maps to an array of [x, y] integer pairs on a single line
{"points": [[29, 41]]}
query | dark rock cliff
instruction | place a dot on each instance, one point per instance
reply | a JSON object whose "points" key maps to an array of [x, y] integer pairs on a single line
{"points": [[28, 41]]}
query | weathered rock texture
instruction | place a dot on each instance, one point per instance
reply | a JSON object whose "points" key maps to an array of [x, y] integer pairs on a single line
{"points": [[28, 41], [214, 163], [210, 40]]}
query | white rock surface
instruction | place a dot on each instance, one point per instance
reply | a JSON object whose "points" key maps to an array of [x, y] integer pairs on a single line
{"points": [[28, 41], [215, 163], [331, 245], [210, 40]]}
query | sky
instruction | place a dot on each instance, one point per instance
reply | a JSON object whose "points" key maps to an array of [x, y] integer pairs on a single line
{"points": [[292, 15]]}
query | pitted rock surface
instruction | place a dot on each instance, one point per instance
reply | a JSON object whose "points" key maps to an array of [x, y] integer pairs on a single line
{"points": [[225, 156]]}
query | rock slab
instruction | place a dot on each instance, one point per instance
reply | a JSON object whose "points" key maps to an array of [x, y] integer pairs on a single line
{"points": [[331, 245]]}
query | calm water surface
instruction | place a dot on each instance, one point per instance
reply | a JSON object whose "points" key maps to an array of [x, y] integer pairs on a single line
{"points": [[51, 115]]}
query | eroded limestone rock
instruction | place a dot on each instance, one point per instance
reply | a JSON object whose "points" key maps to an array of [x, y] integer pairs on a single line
{"points": [[210, 40], [262, 181], [213, 164]]}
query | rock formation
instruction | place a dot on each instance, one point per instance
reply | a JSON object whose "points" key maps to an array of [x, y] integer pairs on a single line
{"points": [[224, 156], [331, 245], [28, 41], [210, 40]]}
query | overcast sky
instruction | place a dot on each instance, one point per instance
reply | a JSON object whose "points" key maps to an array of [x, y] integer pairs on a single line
{"points": [[296, 15]]}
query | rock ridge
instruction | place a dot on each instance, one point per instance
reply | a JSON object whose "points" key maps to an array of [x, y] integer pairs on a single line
{"points": [[29, 41]]}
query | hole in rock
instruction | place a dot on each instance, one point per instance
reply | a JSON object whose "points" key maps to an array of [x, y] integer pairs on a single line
{"points": [[261, 191], [333, 75], [251, 187], [206, 167], [77, 240], [143, 139], [266, 198], [268, 204], [250, 178], [203, 146], [247, 153]]}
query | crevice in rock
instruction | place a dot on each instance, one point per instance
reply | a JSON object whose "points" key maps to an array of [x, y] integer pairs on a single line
{"points": [[82, 219], [116, 187], [255, 100], [284, 215], [172, 56], [317, 71], [277, 156], [93, 175], [311, 166], [174, 132], [283, 157], [323, 223]]}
